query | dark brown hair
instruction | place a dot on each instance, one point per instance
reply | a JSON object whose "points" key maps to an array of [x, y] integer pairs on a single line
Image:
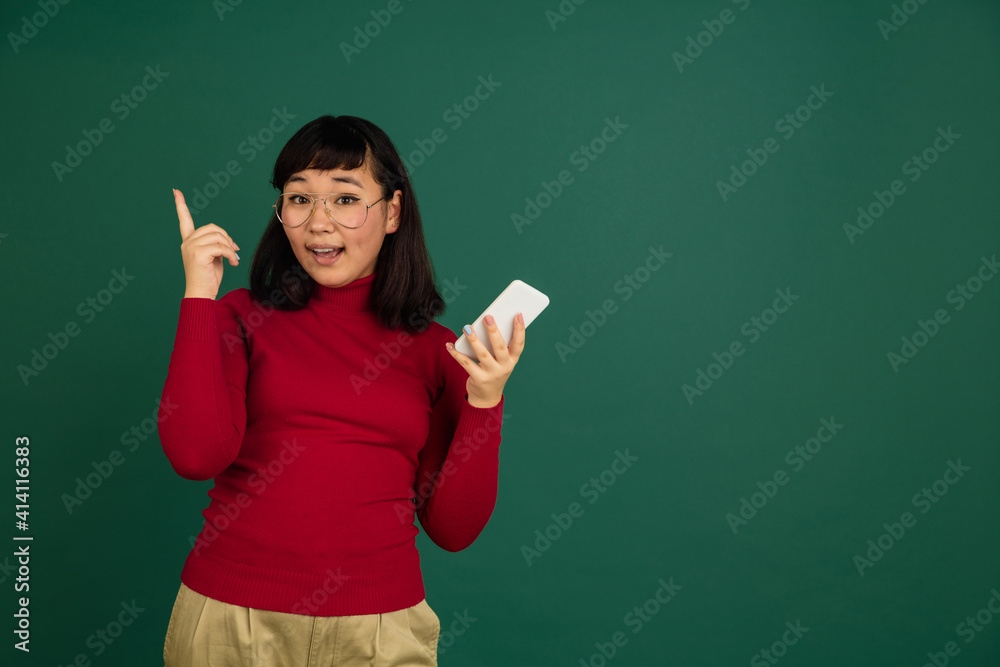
{"points": [[403, 291]]}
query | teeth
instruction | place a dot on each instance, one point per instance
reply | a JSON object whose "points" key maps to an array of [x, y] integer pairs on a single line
{"points": [[326, 250]]}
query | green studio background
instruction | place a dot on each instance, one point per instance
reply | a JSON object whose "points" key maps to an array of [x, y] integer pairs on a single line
{"points": [[807, 393]]}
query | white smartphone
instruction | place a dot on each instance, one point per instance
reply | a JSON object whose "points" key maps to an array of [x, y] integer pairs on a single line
{"points": [[518, 297]]}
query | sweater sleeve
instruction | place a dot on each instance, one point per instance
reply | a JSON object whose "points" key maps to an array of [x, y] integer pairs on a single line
{"points": [[459, 464], [202, 414]]}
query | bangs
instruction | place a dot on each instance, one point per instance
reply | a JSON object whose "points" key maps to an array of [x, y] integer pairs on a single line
{"points": [[325, 146]]}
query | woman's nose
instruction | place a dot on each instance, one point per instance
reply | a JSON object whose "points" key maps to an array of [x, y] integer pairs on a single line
{"points": [[319, 218]]}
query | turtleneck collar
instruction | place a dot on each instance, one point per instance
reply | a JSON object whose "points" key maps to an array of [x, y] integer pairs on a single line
{"points": [[350, 298]]}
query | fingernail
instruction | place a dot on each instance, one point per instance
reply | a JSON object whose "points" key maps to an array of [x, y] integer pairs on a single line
{"points": [[488, 319], [520, 318], [467, 329], [237, 255]]}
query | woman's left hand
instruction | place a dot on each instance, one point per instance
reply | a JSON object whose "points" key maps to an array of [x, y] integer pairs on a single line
{"points": [[489, 375]]}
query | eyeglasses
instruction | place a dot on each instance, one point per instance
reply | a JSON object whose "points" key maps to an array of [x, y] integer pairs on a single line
{"points": [[349, 210]]}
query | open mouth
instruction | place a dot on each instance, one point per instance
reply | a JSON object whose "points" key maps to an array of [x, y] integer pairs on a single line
{"points": [[327, 256]]}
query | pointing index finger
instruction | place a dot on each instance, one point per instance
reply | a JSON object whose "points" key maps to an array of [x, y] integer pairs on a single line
{"points": [[183, 215]]}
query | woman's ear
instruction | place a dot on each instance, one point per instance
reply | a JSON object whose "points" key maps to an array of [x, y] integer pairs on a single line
{"points": [[395, 212]]}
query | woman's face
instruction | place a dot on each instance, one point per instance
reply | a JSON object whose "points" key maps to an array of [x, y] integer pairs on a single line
{"points": [[360, 246]]}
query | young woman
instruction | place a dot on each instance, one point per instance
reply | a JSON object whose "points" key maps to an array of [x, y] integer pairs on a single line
{"points": [[330, 410]]}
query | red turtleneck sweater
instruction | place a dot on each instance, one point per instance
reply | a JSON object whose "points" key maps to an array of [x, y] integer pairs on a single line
{"points": [[325, 433]]}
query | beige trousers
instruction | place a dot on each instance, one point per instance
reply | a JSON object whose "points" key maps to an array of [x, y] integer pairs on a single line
{"points": [[204, 632]]}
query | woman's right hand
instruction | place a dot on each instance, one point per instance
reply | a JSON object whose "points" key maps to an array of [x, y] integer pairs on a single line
{"points": [[202, 250]]}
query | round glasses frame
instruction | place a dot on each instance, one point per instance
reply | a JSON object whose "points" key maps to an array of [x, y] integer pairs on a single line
{"points": [[329, 213]]}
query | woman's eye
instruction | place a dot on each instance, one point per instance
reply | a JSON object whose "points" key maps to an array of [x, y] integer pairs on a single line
{"points": [[297, 199], [346, 200]]}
